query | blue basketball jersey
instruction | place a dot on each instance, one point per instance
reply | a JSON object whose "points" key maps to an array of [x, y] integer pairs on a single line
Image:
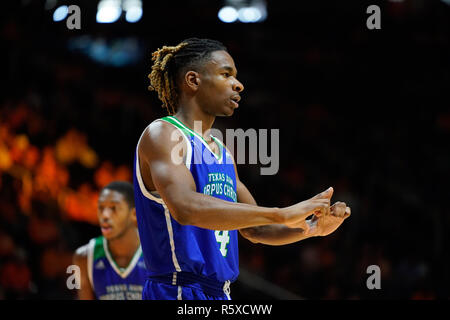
{"points": [[110, 282], [170, 248]]}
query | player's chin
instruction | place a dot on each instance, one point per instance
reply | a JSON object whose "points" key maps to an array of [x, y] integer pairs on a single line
{"points": [[230, 113], [227, 111], [109, 234]]}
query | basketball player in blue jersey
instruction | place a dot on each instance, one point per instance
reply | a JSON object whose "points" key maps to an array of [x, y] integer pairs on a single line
{"points": [[112, 266], [189, 212]]}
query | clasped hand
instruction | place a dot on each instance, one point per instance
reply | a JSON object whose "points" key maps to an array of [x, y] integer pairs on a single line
{"points": [[317, 217]]}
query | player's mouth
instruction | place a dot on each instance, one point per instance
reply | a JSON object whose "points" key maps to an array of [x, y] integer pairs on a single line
{"points": [[235, 100], [106, 229]]}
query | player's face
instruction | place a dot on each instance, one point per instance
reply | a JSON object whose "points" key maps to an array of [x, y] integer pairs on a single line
{"points": [[219, 90], [114, 214]]}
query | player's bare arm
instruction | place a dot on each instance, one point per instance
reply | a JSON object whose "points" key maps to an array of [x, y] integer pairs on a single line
{"points": [[327, 224], [177, 188], [279, 234], [274, 234], [80, 259]]}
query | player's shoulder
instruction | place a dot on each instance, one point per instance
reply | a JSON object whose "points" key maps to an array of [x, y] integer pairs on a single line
{"points": [[159, 127], [157, 130], [157, 135], [83, 251]]}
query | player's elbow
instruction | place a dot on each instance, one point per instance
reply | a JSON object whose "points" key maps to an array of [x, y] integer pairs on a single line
{"points": [[192, 208], [181, 217], [182, 212]]}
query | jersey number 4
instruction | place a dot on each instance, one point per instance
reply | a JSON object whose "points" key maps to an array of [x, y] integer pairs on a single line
{"points": [[223, 238]]}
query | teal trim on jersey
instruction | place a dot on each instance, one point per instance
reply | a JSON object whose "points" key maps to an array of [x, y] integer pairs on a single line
{"points": [[219, 143], [99, 251], [176, 124], [123, 272], [180, 125]]}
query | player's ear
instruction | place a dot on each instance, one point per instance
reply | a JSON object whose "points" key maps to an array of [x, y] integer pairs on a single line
{"points": [[192, 80]]}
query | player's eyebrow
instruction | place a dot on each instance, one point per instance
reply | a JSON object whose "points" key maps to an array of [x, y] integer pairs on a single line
{"points": [[229, 69], [110, 201]]}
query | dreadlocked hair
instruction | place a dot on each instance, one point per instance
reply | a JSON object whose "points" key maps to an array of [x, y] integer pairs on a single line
{"points": [[170, 62]]}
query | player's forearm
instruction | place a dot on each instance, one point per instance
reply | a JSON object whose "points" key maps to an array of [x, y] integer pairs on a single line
{"points": [[216, 214], [276, 234]]}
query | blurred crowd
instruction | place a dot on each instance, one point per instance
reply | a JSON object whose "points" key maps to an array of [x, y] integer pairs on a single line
{"points": [[39, 201], [365, 113]]}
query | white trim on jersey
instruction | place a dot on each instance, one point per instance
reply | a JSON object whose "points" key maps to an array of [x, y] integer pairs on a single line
{"points": [[90, 261], [180, 292], [151, 196], [131, 265], [227, 152], [188, 143], [171, 241], [154, 195], [144, 190], [174, 278]]}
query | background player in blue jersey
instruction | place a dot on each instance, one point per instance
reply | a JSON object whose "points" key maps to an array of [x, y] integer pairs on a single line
{"points": [[189, 211], [112, 266]]}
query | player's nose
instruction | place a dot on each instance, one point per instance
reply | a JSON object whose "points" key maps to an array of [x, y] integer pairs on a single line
{"points": [[238, 86], [105, 213]]}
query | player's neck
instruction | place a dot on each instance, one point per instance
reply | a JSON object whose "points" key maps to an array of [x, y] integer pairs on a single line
{"points": [[195, 119], [126, 245]]}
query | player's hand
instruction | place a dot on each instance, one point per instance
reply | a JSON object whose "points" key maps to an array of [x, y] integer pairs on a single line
{"points": [[339, 209], [324, 196], [326, 224], [319, 205]]}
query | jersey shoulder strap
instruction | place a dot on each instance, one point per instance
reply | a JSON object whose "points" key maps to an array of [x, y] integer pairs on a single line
{"points": [[189, 134], [95, 251]]}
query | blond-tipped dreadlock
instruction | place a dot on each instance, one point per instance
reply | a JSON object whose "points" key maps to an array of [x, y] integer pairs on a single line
{"points": [[160, 81], [170, 61]]}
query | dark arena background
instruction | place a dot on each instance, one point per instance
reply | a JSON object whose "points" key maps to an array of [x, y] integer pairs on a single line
{"points": [[366, 111]]}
